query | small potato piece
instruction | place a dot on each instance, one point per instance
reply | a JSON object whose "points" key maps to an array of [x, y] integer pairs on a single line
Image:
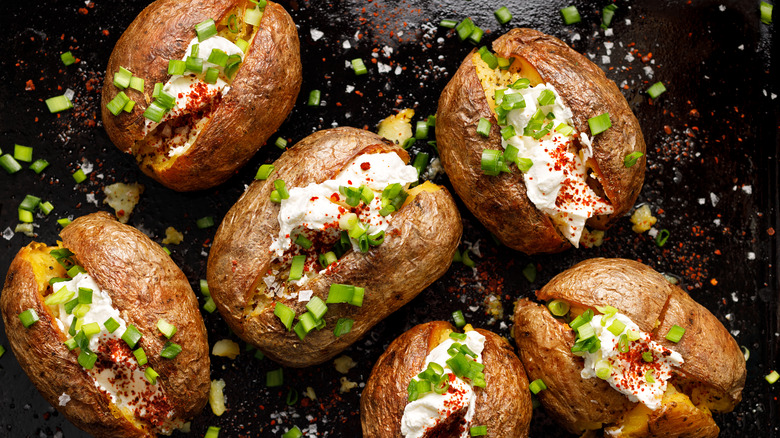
{"points": [[504, 405], [144, 286], [419, 243], [501, 202], [229, 129]]}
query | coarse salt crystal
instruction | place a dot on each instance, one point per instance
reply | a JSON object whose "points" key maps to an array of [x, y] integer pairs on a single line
{"points": [[316, 34], [305, 295]]}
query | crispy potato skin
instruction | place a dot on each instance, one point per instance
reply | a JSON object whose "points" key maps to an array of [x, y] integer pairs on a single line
{"points": [[422, 238], [712, 357], [145, 285], [501, 202], [262, 93], [504, 405]]}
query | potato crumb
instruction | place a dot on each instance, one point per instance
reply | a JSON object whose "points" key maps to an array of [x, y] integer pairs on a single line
{"points": [[217, 397], [494, 307], [346, 385], [226, 348], [185, 428], [643, 219], [172, 236], [310, 393], [397, 127], [591, 239], [344, 364], [123, 199]]}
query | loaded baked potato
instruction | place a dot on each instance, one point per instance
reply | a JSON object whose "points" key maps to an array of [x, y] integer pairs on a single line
{"points": [[621, 348], [523, 136], [210, 82], [108, 329], [420, 388], [334, 236]]}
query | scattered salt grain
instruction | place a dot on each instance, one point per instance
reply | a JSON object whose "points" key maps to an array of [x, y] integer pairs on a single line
{"points": [[316, 34]]}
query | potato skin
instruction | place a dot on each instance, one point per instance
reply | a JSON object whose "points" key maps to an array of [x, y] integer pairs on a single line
{"points": [[500, 202], [145, 285], [504, 405], [423, 236], [712, 357], [262, 93]]}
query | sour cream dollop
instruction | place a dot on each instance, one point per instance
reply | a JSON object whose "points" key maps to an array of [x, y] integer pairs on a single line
{"points": [[629, 371], [431, 409], [556, 182]]}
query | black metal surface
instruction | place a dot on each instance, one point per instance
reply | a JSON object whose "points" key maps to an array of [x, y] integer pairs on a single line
{"points": [[711, 180]]}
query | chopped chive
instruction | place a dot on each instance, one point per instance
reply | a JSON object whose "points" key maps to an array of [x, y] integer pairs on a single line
{"points": [[111, 325], [483, 127], [537, 386], [293, 432], [359, 67], [458, 318], [421, 130], [772, 377], [464, 28], [571, 15], [280, 142], [205, 222], [128, 108], [140, 356], [766, 15], [210, 306], [662, 237], [157, 89], [558, 307], [448, 24], [79, 176], [166, 328], [131, 336], [38, 165], [281, 189], [343, 326], [155, 111], [529, 272], [296, 268], [30, 203], [28, 317], [631, 159], [87, 359], [503, 15], [314, 98], [25, 216], [58, 103], [176, 67], [170, 350], [599, 123], [194, 64], [476, 35], [212, 74], [264, 172], [478, 431], [212, 432], [118, 103], [122, 78], [23, 153], [607, 14], [204, 288], [10, 165], [656, 90], [137, 84], [67, 58], [285, 315], [675, 333], [63, 222], [205, 29], [274, 378], [151, 375]]}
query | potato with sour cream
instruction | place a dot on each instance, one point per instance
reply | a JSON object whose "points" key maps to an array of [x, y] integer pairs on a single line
{"points": [[434, 382], [538, 142], [194, 89], [108, 329], [338, 235], [621, 349]]}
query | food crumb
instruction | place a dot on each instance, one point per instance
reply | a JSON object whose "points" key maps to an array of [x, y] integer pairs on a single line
{"points": [[344, 363], [172, 236], [64, 399], [346, 385]]}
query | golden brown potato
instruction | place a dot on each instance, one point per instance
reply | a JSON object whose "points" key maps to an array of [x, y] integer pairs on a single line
{"points": [[145, 286], [502, 202], [420, 241], [227, 130], [504, 405], [709, 380]]}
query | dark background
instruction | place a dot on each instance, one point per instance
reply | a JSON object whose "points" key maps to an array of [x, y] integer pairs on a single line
{"points": [[711, 178]]}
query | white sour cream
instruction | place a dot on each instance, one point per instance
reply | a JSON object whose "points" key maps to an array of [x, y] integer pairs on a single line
{"points": [[431, 408], [628, 370], [556, 183], [318, 207]]}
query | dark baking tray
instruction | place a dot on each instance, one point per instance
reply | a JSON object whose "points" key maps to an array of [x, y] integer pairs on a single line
{"points": [[711, 179]]}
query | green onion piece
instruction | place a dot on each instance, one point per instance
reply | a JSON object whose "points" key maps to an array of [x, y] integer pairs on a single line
{"points": [[59, 297], [74, 271], [252, 16], [458, 318], [359, 67], [166, 100], [111, 325], [617, 327], [599, 123], [242, 44], [58, 103], [503, 16], [212, 74], [558, 307], [56, 280], [87, 359], [131, 336], [529, 272], [275, 197], [607, 14], [296, 268], [264, 172], [488, 57], [204, 288], [302, 241], [140, 356], [128, 108], [546, 98], [376, 239], [448, 24], [647, 356], [623, 346], [170, 350], [766, 18], [46, 207], [586, 331], [649, 376], [285, 315], [772, 377], [67, 58], [30, 202], [582, 319], [205, 29], [459, 364], [85, 295], [292, 397], [662, 237], [631, 159], [571, 15], [476, 35], [137, 84], [39, 165], [314, 98], [343, 326], [157, 89], [233, 63], [210, 306], [274, 378], [656, 90], [508, 132], [176, 67], [492, 162], [317, 307], [340, 293], [675, 333], [23, 153], [80, 310], [465, 28], [479, 430], [458, 336], [367, 195], [205, 222], [564, 129], [280, 142], [307, 324], [294, 432], [357, 297], [10, 165], [73, 323], [421, 130], [155, 111], [409, 142], [218, 57], [70, 343], [194, 64], [166, 328], [25, 216], [633, 335], [212, 432], [327, 259], [122, 78], [151, 375], [603, 369], [280, 187], [421, 162], [70, 305], [537, 386]]}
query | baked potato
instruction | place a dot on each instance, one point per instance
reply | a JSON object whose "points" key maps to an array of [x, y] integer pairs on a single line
{"points": [[108, 329], [514, 138], [499, 400], [275, 258], [228, 85], [670, 361]]}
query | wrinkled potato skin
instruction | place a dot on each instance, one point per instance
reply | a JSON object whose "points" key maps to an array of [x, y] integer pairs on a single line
{"points": [[711, 355], [504, 405], [422, 238], [500, 202], [145, 285], [262, 93]]}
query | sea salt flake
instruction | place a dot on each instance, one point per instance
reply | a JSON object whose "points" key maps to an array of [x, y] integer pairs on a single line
{"points": [[605, 59], [722, 8], [305, 295], [608, 32], [702, 201], [741, 47], [383, 68], [748, 189], [8, 233], [316, 34], [346, 44], [751, 255], [714, 199]]}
